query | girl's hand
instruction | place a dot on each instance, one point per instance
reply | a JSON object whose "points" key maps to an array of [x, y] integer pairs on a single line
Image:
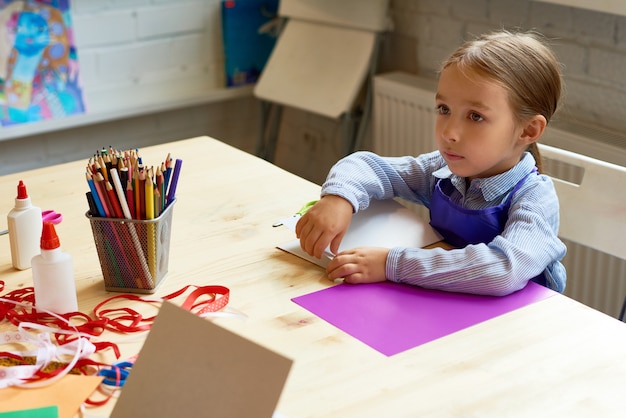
{"points": [[324, 224], [359, 265]]}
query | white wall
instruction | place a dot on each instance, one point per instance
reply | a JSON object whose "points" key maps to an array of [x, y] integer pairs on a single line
{"points": [[138, 42]]}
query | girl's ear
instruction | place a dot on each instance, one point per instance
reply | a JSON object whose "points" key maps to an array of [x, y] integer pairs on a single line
{"points": [[533, 129]]}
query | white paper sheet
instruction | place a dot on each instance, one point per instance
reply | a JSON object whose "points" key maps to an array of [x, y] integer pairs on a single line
{"points": [[385, 223]]}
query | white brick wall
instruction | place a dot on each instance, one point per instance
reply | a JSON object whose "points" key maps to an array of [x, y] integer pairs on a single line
{"points": [[130, 49], [130, 43]]}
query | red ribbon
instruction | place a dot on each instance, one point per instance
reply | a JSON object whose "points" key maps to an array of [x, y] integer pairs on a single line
{"points": [[129, 320], [201, 300]]}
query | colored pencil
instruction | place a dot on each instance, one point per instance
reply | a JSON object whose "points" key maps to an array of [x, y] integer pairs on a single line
{"points": [[171, 193], [96, 197], [113, 199]]}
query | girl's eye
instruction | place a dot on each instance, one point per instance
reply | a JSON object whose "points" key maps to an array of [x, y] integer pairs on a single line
{"points": [[475, 117], [442, 109]]}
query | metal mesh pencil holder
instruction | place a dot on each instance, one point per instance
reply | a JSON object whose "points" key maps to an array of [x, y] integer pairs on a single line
{"points": [[133, 254]]}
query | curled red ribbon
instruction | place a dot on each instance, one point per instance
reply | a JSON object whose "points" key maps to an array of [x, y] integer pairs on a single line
{"points": [[201, 300]]}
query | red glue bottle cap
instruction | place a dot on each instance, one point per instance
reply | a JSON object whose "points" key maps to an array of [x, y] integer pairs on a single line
{"points": [[49, 237], [21, 191]]}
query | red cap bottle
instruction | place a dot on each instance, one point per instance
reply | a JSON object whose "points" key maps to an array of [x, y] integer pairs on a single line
{"points": [[49, 238], [53, 275], [24, 222]]}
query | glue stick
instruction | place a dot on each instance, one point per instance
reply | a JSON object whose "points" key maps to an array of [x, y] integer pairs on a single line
{"points": [[53, 275], [24, 222]]}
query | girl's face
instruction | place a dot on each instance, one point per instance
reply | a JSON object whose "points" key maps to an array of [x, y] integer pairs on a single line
{"points": [[477, 133]]}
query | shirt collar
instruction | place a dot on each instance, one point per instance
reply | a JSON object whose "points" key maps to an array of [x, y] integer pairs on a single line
{"points": [[491, 187]]}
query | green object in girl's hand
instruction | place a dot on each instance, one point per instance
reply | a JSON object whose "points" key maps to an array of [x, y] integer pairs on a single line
{"points": [[306, 207]]}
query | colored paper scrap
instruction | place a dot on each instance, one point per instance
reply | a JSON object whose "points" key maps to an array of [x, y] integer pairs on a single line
{"points": [[67, 394], [45, 412]]}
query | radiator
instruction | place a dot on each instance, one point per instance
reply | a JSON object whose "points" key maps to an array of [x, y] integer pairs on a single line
{"points": [[404, 124]]}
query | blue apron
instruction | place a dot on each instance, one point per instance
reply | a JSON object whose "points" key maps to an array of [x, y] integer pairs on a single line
{"points": [[461, 227]]}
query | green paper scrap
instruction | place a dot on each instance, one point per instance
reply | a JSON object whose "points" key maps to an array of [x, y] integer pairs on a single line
{"points": [[45, 412]]}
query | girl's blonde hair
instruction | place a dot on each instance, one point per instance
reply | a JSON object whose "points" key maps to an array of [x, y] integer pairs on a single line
{"points": [[523, 64]]}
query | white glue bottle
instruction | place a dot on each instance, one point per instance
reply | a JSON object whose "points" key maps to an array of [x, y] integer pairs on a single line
{"points": [[24, 222], [53, 275]]}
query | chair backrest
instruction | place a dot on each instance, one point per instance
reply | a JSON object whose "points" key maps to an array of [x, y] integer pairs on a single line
{"points": [[323, 54], [593, 208]]}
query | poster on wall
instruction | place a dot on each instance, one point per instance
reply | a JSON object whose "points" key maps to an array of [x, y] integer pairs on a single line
{"points": [[39, 77], [249, 34]]}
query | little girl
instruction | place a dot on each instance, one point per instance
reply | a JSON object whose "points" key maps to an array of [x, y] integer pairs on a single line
{"points": [[484, 187]]}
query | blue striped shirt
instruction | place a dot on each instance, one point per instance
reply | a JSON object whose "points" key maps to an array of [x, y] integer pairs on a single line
{"points": [[528, 246]]}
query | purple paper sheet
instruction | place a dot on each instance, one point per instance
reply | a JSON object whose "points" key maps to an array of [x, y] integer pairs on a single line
{"points": [[392, 317]]}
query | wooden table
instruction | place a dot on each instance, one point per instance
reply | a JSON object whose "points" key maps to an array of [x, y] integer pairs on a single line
{"points": [[553, 358]]}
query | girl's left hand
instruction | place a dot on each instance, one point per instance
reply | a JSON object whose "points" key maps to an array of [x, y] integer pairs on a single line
{"points": [[359, 265]]}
